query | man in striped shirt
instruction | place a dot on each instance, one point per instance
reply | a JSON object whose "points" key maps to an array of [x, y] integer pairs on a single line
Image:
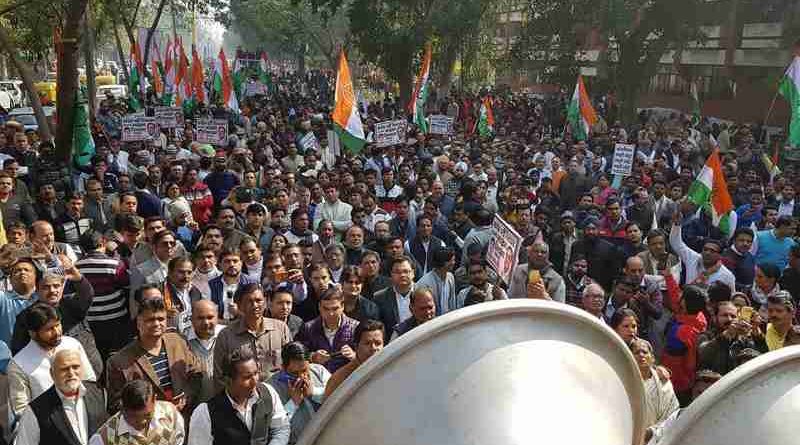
{"points": [[108, 314]]}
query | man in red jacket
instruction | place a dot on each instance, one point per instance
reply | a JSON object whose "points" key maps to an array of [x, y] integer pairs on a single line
{"points": [[680, 351]]}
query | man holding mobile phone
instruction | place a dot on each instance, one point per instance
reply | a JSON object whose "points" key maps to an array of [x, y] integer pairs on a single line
{"points": [[732, 334], [331, 334], [301, 386]]}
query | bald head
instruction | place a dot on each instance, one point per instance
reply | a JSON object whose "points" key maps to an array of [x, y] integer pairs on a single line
{"points": [[204, 318], [634, 268]]}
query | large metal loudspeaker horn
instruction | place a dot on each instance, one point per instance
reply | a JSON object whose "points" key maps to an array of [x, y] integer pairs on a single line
{"points": [[756, 403], [504, 373]]}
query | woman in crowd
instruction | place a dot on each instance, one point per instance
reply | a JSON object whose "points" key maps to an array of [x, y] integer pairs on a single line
{"points": [[626, 324], [659, 396]]}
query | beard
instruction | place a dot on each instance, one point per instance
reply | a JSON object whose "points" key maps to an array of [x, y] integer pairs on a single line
{"points": [[71, 386]]}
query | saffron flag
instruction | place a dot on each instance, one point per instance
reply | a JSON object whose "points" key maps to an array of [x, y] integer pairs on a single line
{"points": [[346, 120], [198, 81], [183, 92], [223, 82], [710, 192], [580, 113], [417, 104]]}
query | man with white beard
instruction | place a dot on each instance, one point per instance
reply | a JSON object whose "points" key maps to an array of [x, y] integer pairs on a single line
{"points": [[67, 413]]}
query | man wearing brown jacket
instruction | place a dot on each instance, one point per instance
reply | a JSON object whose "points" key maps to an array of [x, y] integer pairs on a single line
{"points": [[253, 333], [161, 358]]}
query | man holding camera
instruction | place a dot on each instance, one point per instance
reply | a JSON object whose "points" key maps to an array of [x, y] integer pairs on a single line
{"points": [[736, 330]]}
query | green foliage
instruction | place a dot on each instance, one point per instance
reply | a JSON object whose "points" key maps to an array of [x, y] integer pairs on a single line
{"points": [[631, 36], [284, 27]]}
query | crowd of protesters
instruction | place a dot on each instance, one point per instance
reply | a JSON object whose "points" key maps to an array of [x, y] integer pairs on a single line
{"points": [[175, 292]]}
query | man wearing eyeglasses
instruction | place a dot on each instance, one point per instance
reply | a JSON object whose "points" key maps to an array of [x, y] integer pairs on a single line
{"points": [[154, 270]]}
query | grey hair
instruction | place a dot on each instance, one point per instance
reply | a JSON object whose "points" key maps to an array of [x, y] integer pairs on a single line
{"points": [[642, 343]]}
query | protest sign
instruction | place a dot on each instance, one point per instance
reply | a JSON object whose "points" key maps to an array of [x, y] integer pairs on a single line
{"points": [[309, 142], [138, 127], [169, 117], [211, 131], [390, 133], [503, 248], [441, 124], [623, 159]]}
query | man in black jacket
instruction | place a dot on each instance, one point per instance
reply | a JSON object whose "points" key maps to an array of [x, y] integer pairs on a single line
{"points": [[605, 259], [720, 350], [53, 417], [218, 421], [394, 301]]}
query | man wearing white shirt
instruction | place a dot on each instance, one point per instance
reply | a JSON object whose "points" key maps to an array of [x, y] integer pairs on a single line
{"points": [[247, 411], [29, 373], [69, 412], [336, 211], [701, 269]]}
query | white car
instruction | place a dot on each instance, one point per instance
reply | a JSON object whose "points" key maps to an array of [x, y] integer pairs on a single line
{"points": [[14, 88]]}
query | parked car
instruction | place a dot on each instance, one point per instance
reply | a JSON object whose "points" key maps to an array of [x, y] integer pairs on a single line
{"points": [[27, 118]]}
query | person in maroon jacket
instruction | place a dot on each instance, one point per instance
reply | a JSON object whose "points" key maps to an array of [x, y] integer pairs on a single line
{"points": [[330, 335]]}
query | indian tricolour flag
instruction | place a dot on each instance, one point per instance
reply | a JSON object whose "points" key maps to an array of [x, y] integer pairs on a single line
{"points": [[347, 123], [790, 90], [417, 105], [486, 119], [580, 112], [223, 82], [169, 74], [710, 192], [134, 77]]}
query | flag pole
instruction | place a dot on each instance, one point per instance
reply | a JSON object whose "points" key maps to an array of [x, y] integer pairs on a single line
{"points": [[769, 113], [772, 105]]}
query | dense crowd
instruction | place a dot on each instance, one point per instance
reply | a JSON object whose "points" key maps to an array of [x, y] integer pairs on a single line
{"points": [[173, 292]]}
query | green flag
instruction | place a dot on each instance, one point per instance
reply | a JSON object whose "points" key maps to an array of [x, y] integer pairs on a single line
{"points": [[82, 142], [790, 90]]}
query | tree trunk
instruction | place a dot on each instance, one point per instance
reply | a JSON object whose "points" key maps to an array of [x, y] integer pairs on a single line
{"points": [[26, 74], [88, 55], [123, 63], [68, 78], [449, 56], [152, 31]]}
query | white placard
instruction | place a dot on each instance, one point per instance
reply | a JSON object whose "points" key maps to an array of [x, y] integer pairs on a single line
{"points": [[138, 127], [309, 142], [623, 159], [441, 124], [390, 133], [211, 131], [503, 248], [169, 117]]}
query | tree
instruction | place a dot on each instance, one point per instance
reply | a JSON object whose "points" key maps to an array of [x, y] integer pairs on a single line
{"points": [[391, 33], [69, 50], [281, 26], [631, 37]]}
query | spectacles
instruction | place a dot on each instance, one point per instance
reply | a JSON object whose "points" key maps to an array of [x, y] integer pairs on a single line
{"points": [[168, 243]]}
